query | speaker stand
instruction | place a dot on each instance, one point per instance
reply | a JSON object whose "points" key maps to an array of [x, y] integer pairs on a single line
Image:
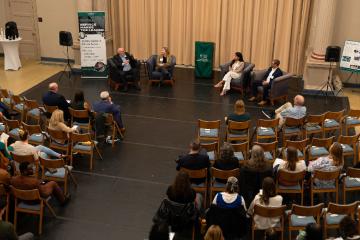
{"points": [[67, 69], [327, 85]]}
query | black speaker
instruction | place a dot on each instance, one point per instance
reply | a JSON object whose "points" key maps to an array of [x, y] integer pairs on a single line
{"points": [[65, 38], [332, 54]]}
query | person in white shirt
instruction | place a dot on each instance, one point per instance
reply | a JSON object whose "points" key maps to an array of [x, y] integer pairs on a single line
{"points": [[273, 72], [292, 162], [266, 197], [235, 69]]}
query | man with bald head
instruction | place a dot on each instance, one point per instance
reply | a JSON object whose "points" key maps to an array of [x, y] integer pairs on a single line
{"points": [[288, 110], [126, 66], [53, 98]]}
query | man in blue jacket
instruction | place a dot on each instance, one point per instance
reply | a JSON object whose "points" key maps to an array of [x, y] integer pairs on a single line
{"points": [[53, 98], [273, 72]]}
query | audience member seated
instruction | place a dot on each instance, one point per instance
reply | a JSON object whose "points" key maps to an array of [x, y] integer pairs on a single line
{"points": [[22, 147], [5, 149], [288, 110], [271, 234], [266, 197], [332, 162], [312, 231], [79, 103], [228, 210], [348, 229], [214, 233], [227, 160], [196, 159], [163, 64], [253, 173], [273, 72], [126, 65], [53, 98], [159, 231], [235, 68], [46, 189], [4, 110], [292, 162], [57, 123], [105, 105], [7, 230], [239, 114]]}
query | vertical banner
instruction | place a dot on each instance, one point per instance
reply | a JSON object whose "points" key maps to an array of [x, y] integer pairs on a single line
{"points": [[204, 53], [92, 44]]}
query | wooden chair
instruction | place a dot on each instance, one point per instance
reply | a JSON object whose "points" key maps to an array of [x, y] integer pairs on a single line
{"points": [[6, 97], [348, 144], [324, 176], [21, 196], [351, 120], [56, 170], [19, 106], [223, 175], [12, 127], [80, 114], [4, 193], [314, 125], [267, 129], [351, 181], [319, 147], [269, 212], [238, 131], [299, 145], [209, 131], [114, 128], [241, 151], [293, 128], [36, 136], [300, 216], [59, 140], [48, 112], [270, 150], [290, 183], [83, 144], [202, 187], [25, 158], [333, 121], [32, 110], [335, 213], [211, 149]]}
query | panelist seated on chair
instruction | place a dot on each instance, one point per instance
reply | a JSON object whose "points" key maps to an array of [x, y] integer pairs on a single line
{"points": [[235, 69], [105, 105], [127, 66], [46, 189], [273, 72], [53, 98], [163, 63]]}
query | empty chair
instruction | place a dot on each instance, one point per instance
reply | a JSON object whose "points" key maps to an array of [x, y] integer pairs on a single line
{"points": [[36, 136], [32, 110], [238, 131], [319, 147], [12, 127], [314, 125], [333, 121], [351, 120], [267, 129], [300, 216], [18, 106], [288, 182], [270, 150], [209, 131], [351, 181], [348, 144]]}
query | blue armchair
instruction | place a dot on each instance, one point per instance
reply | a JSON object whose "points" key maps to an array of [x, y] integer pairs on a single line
{"points": [[154, 76]]}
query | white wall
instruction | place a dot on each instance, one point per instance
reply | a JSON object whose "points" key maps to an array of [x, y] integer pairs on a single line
{"points": [[2, 18], [57, 16]]}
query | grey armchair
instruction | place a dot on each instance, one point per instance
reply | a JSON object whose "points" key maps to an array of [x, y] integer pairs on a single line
{"points": [[279, 88], [240, 84], [154, 76]]}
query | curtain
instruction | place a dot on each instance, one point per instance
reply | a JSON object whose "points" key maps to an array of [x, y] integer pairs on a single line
{"points": [[261, 29]]}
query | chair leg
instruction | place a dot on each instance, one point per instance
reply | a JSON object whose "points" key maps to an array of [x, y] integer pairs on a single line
{"points": [[65, 186], [312, 197], [73, 179], [91, 160], [98, 152], [253, 233], [50, 208], [289, 234], [113, 136], [41, 221], [15, 217]]}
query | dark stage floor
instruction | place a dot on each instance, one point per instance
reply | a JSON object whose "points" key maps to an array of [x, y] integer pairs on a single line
{"points": [[118, 199]]}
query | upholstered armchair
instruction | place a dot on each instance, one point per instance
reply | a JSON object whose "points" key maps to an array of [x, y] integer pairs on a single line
{"points": [[114, 76], [240, 84], [154, 76], [280, 85]]}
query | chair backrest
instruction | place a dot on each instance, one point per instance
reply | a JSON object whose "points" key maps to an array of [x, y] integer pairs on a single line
{"points": [[241, 147], [326, 175], [348, 139], [2, 189], [346, 209], [307, 210], [23, 158], [354, 113], [51, 163], [57, 134], [31, 104], [224, 174], [322, 142], [11, 124], [78, 113], [50, 109], [80, 137], [268, 147], [151, 63], [4, 93], [273, 123], [269, 212], [291, 178], [233, 125], [209, 124], [353, 172], [335, 115], [27, 195], [32, 129], [294, 122], [318, 119], [201, 173], [300, 145], [16, 99]]}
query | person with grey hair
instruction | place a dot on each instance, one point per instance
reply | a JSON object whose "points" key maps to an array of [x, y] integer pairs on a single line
{"points": [[230, 198], [53, 98], [105, 105]]}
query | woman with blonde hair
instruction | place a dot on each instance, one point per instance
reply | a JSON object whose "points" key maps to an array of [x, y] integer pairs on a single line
{"points": [[239, 114], [214, 233], [163, 63], [57, 122]]}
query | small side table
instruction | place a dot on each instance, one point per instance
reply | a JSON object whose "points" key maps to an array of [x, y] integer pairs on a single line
{"points": [[11, 54]]}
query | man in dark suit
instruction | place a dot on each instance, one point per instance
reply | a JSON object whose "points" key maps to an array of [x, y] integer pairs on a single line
{"points": [[273, 72], [52, 98], [105, 105], [195, 159], [126, 65]]}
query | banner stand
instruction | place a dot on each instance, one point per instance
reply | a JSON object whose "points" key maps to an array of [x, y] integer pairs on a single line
{"points": [[204, 55]]}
